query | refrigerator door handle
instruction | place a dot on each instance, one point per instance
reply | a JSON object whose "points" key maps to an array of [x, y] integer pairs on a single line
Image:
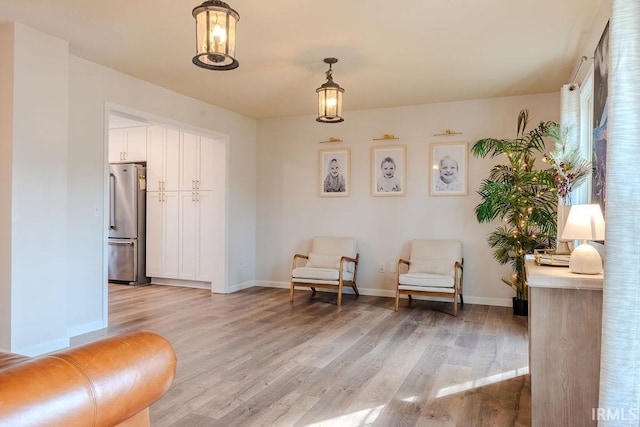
{"points": [[112, 198], [113, 242]]}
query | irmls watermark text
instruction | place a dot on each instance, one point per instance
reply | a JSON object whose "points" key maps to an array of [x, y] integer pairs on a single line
{"points": [[615, 414]]}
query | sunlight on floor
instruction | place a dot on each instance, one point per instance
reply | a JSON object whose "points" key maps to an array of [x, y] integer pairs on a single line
{"points": [[446, 391], [363, 418]]}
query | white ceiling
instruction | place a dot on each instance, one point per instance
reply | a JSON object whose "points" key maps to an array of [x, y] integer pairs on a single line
{"points": [[391, 53]]}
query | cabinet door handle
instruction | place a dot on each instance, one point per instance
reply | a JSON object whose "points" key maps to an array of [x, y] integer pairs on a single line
{"points": [[197, 197], [197, 184], [193, 196], [193, 184], [159, 185]]}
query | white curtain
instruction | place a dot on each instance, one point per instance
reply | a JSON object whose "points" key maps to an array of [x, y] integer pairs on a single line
{"points": [[620, 356], [570, 119], [570, 112]]}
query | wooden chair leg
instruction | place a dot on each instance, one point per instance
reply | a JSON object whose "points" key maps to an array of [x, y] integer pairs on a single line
{"points": [[461, 300], [397, 298], [291, 294], [455, 304], [355, 289], [340, 294], [313, 290]]}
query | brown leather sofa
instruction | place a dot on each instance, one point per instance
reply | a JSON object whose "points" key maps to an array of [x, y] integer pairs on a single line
{"points": [[110, 382]]}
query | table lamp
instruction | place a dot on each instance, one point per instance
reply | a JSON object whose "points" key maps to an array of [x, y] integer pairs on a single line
{"points": [[585, 222]]}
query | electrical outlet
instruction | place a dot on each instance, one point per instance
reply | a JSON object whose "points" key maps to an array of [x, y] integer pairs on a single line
{"points": [[381, 267]]}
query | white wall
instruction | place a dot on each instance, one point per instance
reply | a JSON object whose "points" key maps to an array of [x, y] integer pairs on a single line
{"points": [[38, 194], [6, 157], [91, 86], [290, 212]]}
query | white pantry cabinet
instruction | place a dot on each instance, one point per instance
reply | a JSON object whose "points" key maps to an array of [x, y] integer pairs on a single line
{"points": [[163, 150], [163, 238], [196, 160], [195, 235], [180, 208], [128, 145]]}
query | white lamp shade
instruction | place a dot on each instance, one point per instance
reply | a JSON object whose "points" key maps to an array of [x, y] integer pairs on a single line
{"points": [[585, 222]]}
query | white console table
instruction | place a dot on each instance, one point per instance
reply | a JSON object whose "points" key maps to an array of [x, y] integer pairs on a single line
{"points": [[565, 321]]}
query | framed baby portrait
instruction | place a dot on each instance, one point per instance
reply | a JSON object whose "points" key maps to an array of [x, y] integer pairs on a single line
{"points": [[334, 172], [388, 170], [448, 169]]}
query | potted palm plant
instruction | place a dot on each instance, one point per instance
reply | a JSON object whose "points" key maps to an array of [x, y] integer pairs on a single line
{"points": [[523, 197]]}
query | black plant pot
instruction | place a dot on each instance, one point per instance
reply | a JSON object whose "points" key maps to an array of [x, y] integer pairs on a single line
{"points": [[520, 307]]}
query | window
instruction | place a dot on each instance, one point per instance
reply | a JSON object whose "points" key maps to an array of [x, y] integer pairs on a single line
{"points": [[583, 193]]}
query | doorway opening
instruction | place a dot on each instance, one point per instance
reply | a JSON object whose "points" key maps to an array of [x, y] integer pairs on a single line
{"points": [[182, 172]]}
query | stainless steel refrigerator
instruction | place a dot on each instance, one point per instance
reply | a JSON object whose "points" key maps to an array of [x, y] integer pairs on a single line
{"points": [[127, 223]]}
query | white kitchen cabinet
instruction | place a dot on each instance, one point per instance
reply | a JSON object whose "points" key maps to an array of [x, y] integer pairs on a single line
{"points": [[196, 162], [163, 151], [180, 207], [195, 235], [163, 233], [128, 145]]}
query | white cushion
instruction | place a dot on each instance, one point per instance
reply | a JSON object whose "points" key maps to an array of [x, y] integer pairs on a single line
{"points": [[443, 267], [342, 246], [426, 280], [323, 274], [323, 261], [334, 246], [434, 256]]}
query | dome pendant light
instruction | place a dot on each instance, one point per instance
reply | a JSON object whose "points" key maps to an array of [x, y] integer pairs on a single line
{"points": [[330, 98], [215, 35]]}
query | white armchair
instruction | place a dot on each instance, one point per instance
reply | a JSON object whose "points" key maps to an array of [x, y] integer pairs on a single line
{"points": [[434, 269], [331, 263]]}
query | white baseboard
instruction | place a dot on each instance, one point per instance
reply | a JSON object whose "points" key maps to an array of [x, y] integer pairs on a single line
{"points": [[43, 348], [241, 286], [74, 331], [182, 283], [202, 285], [499, 302], [271, 284]]}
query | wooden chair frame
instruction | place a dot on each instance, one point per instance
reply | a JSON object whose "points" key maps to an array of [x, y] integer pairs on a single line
{"points": [[457, 287], [341, 282]]}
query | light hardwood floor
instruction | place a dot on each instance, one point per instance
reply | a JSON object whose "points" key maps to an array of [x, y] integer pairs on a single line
{"points": [[252, 359]]}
